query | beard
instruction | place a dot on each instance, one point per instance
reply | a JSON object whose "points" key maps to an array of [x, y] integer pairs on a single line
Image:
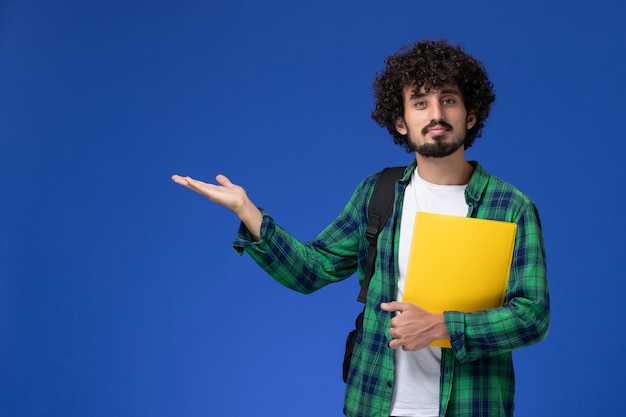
{"points": [[439, 148]]}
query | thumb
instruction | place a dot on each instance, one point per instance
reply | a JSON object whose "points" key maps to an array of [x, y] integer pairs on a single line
{"points": [[223, 180]]}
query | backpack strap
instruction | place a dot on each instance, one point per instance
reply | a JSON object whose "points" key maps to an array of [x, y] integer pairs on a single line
{"points": [[379, 210]]}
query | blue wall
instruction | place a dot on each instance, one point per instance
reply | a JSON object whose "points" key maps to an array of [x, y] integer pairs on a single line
{"points": [[120, 294]]}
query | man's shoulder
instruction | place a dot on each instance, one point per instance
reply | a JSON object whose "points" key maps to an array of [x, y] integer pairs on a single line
{"points": [[497, 183], [495, 190], [395, 172]]}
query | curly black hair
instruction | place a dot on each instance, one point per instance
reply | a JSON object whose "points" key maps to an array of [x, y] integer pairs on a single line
{"points": [[431, 64]]}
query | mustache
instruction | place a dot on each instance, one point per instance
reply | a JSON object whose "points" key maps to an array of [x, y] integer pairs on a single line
{"points": [[434, 123]]}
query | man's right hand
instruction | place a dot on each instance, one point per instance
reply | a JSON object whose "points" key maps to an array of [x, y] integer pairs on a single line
{"points": [[228, 195]]}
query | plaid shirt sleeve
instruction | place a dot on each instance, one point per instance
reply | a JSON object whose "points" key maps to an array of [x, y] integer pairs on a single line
{"points": [[477, 373], [306, 267], [524, 317]]}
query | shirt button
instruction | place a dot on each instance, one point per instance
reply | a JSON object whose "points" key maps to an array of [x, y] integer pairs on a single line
{"points": [[389, 384]]}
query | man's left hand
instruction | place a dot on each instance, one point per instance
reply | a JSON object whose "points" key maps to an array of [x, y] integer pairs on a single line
{"points": [[414, 328]]}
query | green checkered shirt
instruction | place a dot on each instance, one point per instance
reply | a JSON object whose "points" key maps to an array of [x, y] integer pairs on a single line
{"points": [[477, 373]]}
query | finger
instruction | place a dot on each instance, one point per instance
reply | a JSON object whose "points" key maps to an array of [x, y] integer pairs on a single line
{"points": [[187, 182], [395, 344], [223, 180], [393, 306], [197, 185], [179, 180]]}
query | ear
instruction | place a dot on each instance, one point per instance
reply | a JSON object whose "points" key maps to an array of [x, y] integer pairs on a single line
{"points": [[471, 121], [400, 126]]}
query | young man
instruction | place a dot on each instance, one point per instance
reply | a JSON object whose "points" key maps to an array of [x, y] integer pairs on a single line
{"points": [[433, 98]]}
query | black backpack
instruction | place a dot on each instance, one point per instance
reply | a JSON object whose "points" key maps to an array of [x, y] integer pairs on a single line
{"points": [[379, 209]]}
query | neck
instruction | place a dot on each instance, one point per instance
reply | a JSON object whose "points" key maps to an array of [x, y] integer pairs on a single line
{"points": [[451, 170]]}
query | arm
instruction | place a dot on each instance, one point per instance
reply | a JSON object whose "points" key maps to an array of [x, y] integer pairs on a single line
{"points": [[525, 316], [306, 267]]}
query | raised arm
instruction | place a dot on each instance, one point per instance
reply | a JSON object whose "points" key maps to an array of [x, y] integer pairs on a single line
{"points": [[228, 195]]}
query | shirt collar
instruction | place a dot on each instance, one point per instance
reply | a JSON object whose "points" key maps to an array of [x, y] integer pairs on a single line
{"points": [[409, 171], [475, 187], [477, 184]]}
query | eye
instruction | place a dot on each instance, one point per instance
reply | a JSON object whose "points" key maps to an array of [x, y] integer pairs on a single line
{"points": [[420, 103], [448, 101]]}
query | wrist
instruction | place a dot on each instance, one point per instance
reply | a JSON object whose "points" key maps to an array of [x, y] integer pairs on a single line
{"points": [[252, 218], [441, 330]]}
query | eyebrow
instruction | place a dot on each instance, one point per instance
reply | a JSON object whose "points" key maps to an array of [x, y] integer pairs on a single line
{"points": [[417, 94]]}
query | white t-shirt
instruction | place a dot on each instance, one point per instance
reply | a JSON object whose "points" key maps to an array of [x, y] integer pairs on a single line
{"points": [[416, 388]]}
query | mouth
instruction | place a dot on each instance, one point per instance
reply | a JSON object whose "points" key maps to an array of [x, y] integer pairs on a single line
{"points": [[437, 128]]}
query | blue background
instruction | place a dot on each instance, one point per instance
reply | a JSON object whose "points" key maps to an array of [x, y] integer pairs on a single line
{"points": [[120, 294]]}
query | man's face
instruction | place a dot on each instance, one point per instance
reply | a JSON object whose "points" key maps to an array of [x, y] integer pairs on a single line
{"points": [[435, 120]]}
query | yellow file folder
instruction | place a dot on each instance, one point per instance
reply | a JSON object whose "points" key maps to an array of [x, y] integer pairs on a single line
{"points": [[458, 264]]}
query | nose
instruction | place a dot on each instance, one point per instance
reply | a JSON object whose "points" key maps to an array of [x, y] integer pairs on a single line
{"points": [[436, 110]]}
